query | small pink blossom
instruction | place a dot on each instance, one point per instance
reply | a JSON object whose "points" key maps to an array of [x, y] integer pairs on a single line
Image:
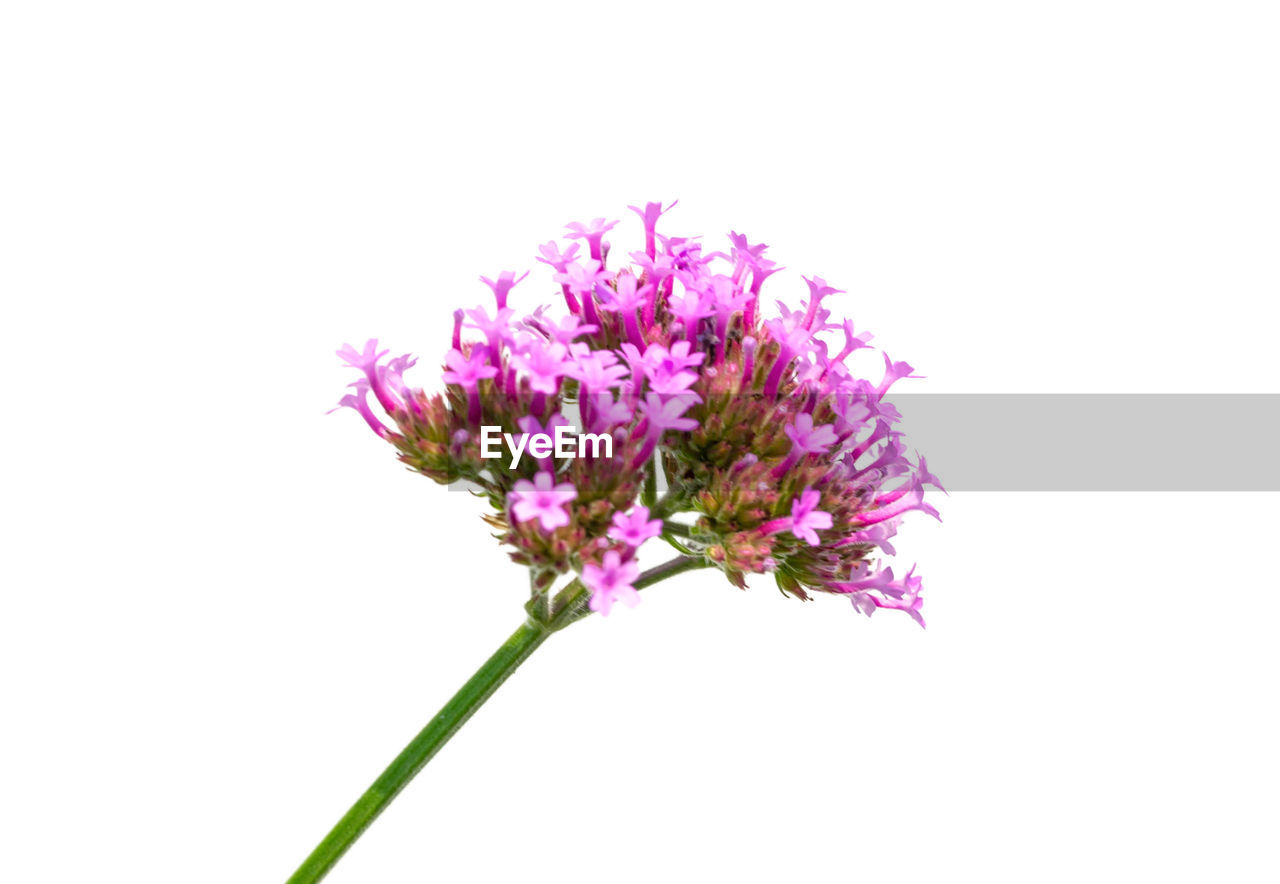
{"points": [[506, 281], [690, 308], [635, 527], [467, 372], [666, 414], [593, 233], [597, 370], [552, 255], [359, 402], [581, 279], [544, 364], [569, 328], [659, 359], [365, 359], [808, 439], [650, 215], [806, 521], [881, 590], [611, 581], [543, 500], [893, 372], [627, 297]]}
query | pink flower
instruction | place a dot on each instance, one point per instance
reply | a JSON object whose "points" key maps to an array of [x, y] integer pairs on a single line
{"points": [[690, 308], [761, 270], [627, 297], [808, 439], [881, 590], [393, 374], [611, 581], [581, 279], [593, 233], [552, 255], [658, 359], [807, 521], [627, 363], [543, 500], [506, 281], [818, 289], [496, 328], [467, 373], [650, 215], [597, 370], [359, 402], [635, 528], [603, 411], [666, 415], [893, 371], [365, 359], [569, 328], [545, 365]]}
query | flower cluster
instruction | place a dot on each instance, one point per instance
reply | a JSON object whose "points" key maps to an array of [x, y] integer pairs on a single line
{"points": [[787, 461]]}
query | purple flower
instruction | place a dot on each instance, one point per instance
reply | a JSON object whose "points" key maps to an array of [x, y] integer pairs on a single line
{"points": [[593, 233], [761, 270], [893, 371], [667, 370], [496, 330], [597, 370], [665, 413], [603, 411], [627, 297], [544, 364], [543, 500], [581, 279], [359, 402], [807, 439], [806, 521], [635, 528], [655, 270], [506, 281], [467, 372], [650, 215], [690, 308], [881, 590], [366, 359], [552, 255], [394, 372], [818, 289], [661, 360], [569, 328], [743, 249], [642, 351], [611, 581], [497, 327]]}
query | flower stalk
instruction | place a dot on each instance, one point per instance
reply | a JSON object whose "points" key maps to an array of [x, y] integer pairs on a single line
{"points": [[570, 605]]}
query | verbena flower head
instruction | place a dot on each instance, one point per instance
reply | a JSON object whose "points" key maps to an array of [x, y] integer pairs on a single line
{"points": [[774, 456]]}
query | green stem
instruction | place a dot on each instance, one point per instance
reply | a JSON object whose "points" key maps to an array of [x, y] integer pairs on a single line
{"points": [[649, 495], [670, 527], [514, 651]]}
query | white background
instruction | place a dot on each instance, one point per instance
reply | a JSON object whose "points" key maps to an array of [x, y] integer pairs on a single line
{"points": [[224, 611]]}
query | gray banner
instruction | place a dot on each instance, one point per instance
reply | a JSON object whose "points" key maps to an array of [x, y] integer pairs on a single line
{"points": [[1095, 442]]}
